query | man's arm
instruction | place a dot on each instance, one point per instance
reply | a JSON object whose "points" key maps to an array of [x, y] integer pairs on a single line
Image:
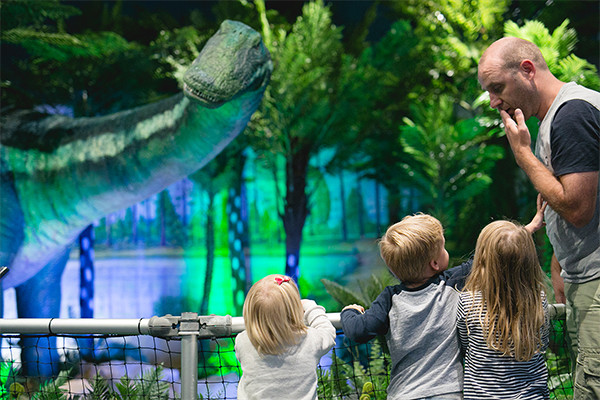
{"points": [[572, 196], [558, 284]]}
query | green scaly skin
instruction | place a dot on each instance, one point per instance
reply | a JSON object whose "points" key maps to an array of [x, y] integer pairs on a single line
{"points": [[60, 174]]}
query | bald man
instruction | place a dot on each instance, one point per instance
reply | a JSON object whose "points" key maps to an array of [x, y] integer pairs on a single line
{"points": [[565, 172]]}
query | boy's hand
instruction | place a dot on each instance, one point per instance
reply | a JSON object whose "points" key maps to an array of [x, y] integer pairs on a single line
{"points": [[356, 307], [538, 219]]}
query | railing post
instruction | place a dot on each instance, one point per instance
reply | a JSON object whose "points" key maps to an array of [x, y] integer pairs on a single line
{"points": [[189, 330]]}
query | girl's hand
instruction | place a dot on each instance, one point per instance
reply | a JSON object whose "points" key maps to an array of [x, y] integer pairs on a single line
{"points": [[538, 219], [356, 307]]}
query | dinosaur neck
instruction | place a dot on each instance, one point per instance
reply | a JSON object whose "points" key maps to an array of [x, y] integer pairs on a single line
{"points": [[128, 157]]}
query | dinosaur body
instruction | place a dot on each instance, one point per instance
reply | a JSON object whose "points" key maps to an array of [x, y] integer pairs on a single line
{"points": [[60, 174], [67, 173]]}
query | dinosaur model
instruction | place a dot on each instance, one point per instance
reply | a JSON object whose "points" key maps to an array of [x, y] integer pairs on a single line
{"points": [[59, 174]]}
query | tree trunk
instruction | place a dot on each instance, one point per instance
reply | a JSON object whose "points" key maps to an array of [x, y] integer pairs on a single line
{"points": [[295, 209], [377, 210], [343, 204], [184, 211], [108, 230], [210, 253], [394, 204], [360, 207]]}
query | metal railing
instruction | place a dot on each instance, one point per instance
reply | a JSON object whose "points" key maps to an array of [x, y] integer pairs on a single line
{"points": [[188, 328]]}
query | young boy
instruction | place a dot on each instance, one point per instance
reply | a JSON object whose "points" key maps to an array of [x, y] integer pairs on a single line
{"points": [[418, 316]]}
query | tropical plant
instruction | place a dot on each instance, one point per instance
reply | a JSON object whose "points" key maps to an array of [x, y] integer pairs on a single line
{"points": [[368, 289], [450, 159], [305, 110], [49, 65], [453, 35], [148, 386], [8, 385], [366, 375], [557, 48]]}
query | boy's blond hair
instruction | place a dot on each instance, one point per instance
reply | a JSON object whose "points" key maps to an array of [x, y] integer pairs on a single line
{"points": [[273, 314], [507, 272], [409, 245]]}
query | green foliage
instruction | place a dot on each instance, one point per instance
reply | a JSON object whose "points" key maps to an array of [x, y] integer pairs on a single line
{"points": [[453, 34], [345, 378], [450, 161], [298, 103], [557, 50], [52, 389], [51, 65], [8, 374], [368, 290], [100, 389], [37, 14], [176, 49]]}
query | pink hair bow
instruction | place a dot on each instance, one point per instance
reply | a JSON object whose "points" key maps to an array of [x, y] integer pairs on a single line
{"points": [[281, 280]]}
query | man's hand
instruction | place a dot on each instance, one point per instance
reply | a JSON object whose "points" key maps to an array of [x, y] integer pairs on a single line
{"points": [[517, 134], [572, 196]]}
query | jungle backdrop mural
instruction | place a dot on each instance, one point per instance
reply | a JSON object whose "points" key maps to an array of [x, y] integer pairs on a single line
{"points": [[371, 112]]}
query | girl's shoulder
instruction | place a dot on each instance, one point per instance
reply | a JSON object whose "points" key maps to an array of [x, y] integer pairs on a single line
{"points": [[242, 338], [468, 295]]}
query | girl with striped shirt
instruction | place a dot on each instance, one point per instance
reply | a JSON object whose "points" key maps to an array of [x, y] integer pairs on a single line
{"points": [[503, 321]]}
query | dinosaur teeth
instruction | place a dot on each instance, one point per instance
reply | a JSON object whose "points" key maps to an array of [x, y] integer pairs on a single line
{"points": [[196, 94]]}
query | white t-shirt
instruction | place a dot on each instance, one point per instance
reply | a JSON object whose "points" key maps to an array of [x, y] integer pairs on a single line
{"points": [[293, 374]]}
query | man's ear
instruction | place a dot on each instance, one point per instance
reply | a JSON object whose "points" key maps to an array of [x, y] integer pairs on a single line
{"points": [[527, 67]]}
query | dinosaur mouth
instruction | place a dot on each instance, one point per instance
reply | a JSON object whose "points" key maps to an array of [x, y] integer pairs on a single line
{"points": [[203, 97]]}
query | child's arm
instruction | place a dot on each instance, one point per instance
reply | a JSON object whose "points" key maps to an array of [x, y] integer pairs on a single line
{"points": [[538, 219], [356, 307], [363, 325], [314, 316], [461, 324]]}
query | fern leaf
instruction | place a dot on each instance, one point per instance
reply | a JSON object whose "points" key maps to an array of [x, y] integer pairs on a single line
{"points": [[343, 295]]}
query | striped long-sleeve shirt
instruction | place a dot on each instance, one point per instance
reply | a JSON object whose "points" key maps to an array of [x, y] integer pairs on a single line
{"points": [[488, 373]]}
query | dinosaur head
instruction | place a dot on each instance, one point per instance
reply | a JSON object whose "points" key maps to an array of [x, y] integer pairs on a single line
{"points": [[234, 61]]}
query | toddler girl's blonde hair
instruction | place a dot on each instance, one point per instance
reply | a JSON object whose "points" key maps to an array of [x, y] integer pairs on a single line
{"points": [[507, 273], [273, 314]]}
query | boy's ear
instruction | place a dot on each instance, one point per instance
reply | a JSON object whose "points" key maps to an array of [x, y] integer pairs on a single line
{"points": [[434, 265]]}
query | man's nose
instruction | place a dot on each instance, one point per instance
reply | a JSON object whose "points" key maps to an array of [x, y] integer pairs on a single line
{"points": [[495, 101]]}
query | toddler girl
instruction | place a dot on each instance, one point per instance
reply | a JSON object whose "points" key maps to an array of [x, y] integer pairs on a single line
{"points": [[284, 340], [502, 317]]}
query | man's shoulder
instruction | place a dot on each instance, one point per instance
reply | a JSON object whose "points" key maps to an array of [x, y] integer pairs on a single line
{"points": [[577, 108]]}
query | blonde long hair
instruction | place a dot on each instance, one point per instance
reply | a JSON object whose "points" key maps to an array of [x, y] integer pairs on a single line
{"points": [[507, 273], [273, 314]]}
